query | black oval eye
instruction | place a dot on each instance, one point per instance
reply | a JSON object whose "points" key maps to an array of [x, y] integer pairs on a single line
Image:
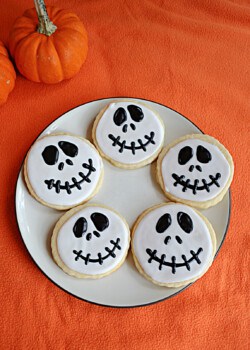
{"points": [[120, 116], [185, 222], [135, 113], [163, 223], [203, 155], [185, 154], [100, 221], [50, 155], [80, 227], [68, 148]]}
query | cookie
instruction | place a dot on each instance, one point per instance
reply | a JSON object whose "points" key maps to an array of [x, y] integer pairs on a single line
{"points": [[196, 170], [172, 244], [130, 135], [63, 170], [90, 241]]}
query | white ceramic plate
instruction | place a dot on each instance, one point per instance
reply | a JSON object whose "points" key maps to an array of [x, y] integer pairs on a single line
{"points": [[129, 192]]}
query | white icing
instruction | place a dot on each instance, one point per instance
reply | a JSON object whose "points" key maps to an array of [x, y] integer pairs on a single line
{"points": [[146, 236], [150, 123], [38, 171], [67, 242], [218, 164]]}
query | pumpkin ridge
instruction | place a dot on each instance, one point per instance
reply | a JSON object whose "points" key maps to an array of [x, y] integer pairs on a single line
{"points": [[60, 63], [22, 50], [7, 66], [7, 74]]}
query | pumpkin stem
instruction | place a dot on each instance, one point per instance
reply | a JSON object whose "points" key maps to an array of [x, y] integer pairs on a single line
{"points": [[45, 25]]}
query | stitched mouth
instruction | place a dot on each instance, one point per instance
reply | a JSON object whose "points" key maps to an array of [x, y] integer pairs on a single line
{"points": [[173, 264], [52, 183], [133, 147], [180, 180], [100, 258]]}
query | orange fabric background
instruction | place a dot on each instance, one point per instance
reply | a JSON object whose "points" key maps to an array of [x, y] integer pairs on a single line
{"points": [[193, 56]]}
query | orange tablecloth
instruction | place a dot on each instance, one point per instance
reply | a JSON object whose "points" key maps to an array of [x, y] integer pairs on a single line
{"points": [[193, 56]]}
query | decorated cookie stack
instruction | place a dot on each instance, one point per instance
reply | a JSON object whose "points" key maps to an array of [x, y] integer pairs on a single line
{"points": [[172, 243]]}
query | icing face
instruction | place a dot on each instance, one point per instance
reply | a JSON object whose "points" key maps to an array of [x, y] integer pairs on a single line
{"points": [[93, 241], [63, 169], [195, 170], [129, 133], [173, 244]]}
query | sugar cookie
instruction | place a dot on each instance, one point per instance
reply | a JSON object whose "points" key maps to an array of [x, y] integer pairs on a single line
{"points": [[173, 244], [90, 241], [63, 170], [128, 134], [196, 170]]}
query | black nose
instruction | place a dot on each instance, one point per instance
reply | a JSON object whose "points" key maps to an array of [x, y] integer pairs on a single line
{"points": [[132, 125], [125, 128], [61, 166], [198, 167]]}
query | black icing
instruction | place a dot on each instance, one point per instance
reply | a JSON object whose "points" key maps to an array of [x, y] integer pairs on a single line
{"points": [[167, 240], [100, 258], [163, 223], [50, 155], [100, 221], [120, 116], [185, 154], [180, 180], [132, 147], [68, 148], [162, 262], [203, 155], [52, 183], [185, 222], [136, 113], [80, 227]]}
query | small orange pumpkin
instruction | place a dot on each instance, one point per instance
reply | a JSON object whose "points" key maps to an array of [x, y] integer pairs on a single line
{"points": [[48, 51], [7, 74]]}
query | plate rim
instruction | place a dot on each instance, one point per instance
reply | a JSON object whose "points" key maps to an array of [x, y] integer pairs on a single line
{"points": [[19, 174]]}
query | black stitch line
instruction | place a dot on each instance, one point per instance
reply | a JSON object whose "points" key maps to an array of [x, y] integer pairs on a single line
{"points": [[195, 255], [179, 180], [67, 187], [195, 186], [100, 258], [57, 186], [186, 185], [205, 185], [85, 178], [123, 145], [214, 179], [142, 145], [75, 182], [162, 260], [87, 259], [133, 147], [110, 252], [152, 254], [186, 263], [150, 138], [173, 263]]}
